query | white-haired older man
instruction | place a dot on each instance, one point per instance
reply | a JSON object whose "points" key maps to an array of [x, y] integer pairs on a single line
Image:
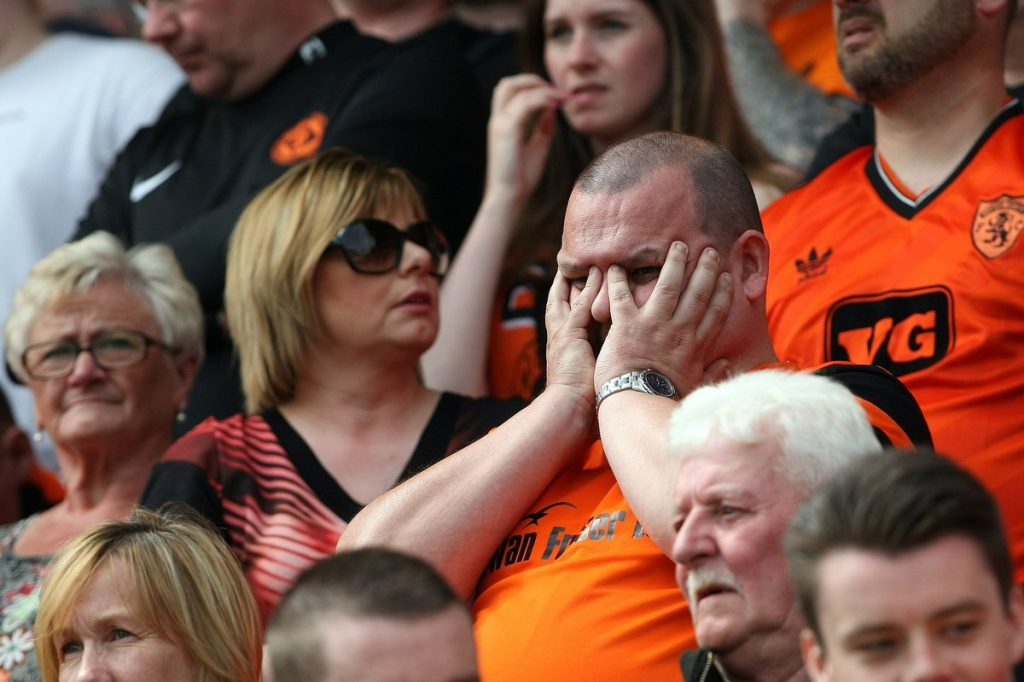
{"points": [[753, 449]]}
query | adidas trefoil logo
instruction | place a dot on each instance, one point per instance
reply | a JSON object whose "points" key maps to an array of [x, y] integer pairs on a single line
{"points": [[814, 266]]}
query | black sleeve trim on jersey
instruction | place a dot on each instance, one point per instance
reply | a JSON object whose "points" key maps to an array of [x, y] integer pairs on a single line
{"points": [[184, 483], [888, 394], [908, 208]]}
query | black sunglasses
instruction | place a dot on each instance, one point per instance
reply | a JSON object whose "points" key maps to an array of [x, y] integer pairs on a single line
{"points": [[374, 247]]}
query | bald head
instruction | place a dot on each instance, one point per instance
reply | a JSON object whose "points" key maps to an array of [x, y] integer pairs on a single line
{"points": [[718, 187]]}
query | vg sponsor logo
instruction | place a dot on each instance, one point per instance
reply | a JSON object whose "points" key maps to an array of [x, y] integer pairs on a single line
{"points": [[901, 331]]}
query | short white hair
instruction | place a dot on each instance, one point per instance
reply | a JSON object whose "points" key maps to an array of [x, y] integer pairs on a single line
{"points": [[150, 269], [817, 423]]}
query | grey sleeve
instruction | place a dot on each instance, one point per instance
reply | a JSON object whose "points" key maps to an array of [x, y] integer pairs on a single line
{"points": [[787, 114]]}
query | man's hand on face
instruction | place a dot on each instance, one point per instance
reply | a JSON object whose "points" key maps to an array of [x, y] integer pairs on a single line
{"points": [[570, 357], [675, 330]]}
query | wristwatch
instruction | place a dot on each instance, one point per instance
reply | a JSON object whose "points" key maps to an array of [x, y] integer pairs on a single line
{"points": [[645, 381]]}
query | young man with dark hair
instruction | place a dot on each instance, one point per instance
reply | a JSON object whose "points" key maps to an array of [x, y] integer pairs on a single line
{"points": [[903, 572]]}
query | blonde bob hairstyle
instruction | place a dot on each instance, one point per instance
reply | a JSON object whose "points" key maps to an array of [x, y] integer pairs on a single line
{"points": [[150, 269], [273, 255], [184, 584]]}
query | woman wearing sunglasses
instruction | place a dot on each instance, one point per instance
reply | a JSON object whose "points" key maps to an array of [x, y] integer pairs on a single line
{"points": [[332, 297]]}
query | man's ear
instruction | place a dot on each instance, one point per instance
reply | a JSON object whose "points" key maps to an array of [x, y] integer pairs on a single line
{"points": [[814, 656], [750, 251]]}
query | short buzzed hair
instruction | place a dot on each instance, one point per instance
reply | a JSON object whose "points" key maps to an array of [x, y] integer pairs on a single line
{"points": [[371, 582], [894, 503], [721, 192]]}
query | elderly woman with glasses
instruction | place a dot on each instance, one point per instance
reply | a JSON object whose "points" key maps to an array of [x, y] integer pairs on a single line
{"points": [[108, 341], [331, 298]]}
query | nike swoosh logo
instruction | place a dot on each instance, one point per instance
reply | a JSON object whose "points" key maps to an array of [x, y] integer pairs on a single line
{"points": [[142, 188]]}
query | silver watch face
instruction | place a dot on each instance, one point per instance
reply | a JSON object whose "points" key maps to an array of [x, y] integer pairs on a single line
{"points": [[658, 384]]}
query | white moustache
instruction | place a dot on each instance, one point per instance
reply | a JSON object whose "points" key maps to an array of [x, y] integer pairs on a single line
{"points": [[709, 577]]}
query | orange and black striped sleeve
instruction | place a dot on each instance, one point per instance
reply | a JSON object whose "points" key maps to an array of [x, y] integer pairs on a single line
{"points": [[891, 407]]}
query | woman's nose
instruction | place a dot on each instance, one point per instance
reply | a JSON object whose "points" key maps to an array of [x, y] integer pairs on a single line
{"points": [[84, 368]]}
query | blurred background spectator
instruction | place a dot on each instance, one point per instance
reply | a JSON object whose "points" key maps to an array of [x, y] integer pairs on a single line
{"points": [[491, 54], [270, 84], [492, 15], [68, 103], [26, 487], [96, 17]]}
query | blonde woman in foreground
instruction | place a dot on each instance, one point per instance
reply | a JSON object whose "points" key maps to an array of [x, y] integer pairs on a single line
{"points": [[155, 598]]}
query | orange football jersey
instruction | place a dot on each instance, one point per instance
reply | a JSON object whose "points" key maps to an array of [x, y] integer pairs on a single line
{"points": [[930, 288], [515, 354], [807, 41], [578, 591]]}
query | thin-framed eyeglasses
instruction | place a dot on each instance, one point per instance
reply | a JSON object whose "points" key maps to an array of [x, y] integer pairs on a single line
{"points": [[117, 349], [374, 247]]}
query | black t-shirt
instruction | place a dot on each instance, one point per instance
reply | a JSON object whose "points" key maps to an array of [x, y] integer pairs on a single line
{"points": [[185, 180]]}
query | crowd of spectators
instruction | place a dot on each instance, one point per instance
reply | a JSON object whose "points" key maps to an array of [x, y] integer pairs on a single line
{"points": [[351, 339]]}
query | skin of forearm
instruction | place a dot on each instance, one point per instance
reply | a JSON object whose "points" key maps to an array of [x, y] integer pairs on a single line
{"points": [[757, 12], [787, 114], [634, 428], [455, 513], [458, 359]]}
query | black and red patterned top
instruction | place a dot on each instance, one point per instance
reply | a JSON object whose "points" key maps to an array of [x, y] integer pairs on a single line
{"points": [[255, 478]]}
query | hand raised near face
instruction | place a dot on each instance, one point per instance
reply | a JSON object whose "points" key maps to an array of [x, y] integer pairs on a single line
{"points": [[519, 133], [570, 357], [675, 331]]}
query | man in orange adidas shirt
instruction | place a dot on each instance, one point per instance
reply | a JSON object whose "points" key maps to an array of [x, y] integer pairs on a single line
{"points": [[564, 541], [782, 62], [907, 254]]}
